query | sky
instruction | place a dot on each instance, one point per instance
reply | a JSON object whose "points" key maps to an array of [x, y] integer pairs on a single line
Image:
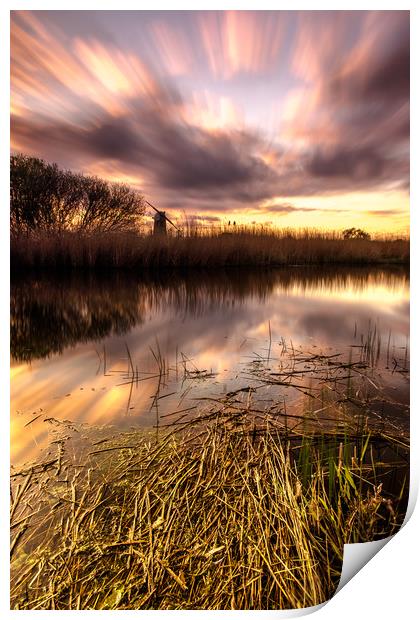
{"points": [[290, 119]]}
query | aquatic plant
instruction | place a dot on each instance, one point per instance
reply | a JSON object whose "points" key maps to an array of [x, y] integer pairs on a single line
{"points": [[224, 515], [214, 249]]}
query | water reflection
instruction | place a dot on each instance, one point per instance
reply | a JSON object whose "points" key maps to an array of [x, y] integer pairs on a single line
{"points": [[69, 338], [48, 315]]}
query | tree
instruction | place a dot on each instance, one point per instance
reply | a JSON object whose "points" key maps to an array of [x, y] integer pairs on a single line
{"points": [[34, 193], [355, 233], [43, 197]]}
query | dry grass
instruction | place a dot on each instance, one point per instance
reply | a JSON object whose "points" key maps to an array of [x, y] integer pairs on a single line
{"points": [[225, 516], [246, 247], [240, 507]]}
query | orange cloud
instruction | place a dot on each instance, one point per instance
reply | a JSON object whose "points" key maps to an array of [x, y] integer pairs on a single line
{"points": [[117, 72], [317, 47], [212, 112], [39, 61], [241, 41], [55, 72], [174, 50]]}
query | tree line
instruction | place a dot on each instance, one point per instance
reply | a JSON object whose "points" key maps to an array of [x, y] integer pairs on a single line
{"points": [[45, 198]]}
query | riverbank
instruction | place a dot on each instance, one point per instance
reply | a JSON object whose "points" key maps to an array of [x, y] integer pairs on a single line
{"points": [[131, 251], [230, 515], [243, 504]]}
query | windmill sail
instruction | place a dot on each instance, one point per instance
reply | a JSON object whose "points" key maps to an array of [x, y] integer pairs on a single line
{"points": [[160, 219]]}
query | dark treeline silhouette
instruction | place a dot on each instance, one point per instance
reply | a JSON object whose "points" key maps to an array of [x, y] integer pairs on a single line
{"points": [[355, 233], [45, 198], [49, 314]]}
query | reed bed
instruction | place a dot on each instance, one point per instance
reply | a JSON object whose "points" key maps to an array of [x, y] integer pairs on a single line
{"points": [[224, 515], [246, 505], [246, 247]]}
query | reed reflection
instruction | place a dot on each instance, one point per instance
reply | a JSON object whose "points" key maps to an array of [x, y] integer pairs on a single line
{"points": [[50, 314], [73, 340]]}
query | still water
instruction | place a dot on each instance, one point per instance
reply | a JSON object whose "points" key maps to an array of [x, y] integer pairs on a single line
{"points": [[128, 351]]}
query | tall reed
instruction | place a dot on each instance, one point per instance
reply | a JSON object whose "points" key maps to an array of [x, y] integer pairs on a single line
{"points": [[246, 247], [218, 518]]}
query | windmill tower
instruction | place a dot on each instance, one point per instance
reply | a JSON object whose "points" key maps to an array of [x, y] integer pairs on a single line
{"points": [[159, 221]]}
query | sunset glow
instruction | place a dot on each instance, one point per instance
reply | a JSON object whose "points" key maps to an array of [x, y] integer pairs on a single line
{"points": [[293, 119]]}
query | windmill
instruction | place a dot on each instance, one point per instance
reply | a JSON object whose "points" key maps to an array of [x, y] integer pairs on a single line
{"points": [[160, 219]]}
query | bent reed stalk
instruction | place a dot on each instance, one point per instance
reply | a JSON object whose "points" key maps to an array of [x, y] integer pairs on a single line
{"points": [[224, 516], [212, 249]]}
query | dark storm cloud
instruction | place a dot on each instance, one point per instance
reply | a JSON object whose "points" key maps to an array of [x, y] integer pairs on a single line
{"points": [[379, 70], [385, 212], [181, 156], [212, 161], [204, 218], [174, 154], [357, 163], [220, 166], [364, 102], [113, 139], [286, 208]]}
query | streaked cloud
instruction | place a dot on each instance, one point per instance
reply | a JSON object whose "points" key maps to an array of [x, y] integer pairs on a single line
{"points": [[241, 41], [174, 48], [180, 104]]}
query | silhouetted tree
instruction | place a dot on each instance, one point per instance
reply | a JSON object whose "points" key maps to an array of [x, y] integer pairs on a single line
{"points": [[43, 197], [355, 233]]}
